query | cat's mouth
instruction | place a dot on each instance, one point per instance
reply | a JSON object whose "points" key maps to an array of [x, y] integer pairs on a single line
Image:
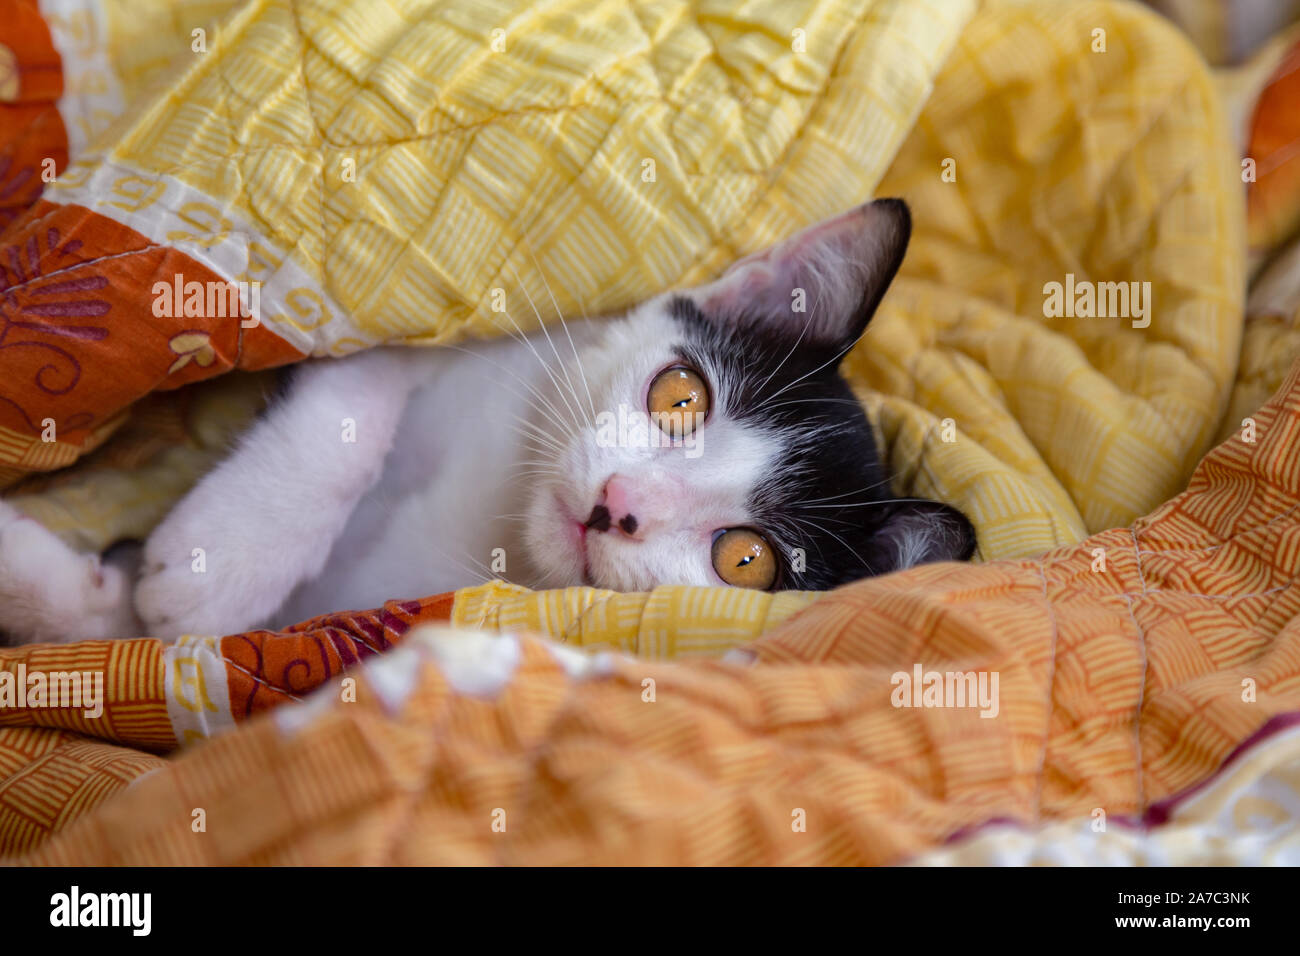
{"points": [[576, 533]]}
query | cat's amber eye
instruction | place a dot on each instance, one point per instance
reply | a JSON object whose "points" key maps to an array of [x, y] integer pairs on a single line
{"points": [[678, 400], [744, 559]]}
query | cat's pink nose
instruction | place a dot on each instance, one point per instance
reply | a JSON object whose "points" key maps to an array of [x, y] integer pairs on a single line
{"points": [[623, 504], [637, 505]]}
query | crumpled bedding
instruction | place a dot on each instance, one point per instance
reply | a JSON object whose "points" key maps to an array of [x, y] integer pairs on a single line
{"points": [[1125, 689], [1025, 155], [1246, 814]]}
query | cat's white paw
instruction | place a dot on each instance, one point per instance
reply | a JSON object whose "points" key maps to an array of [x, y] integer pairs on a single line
{"points": [[51, 594], [200, 576], [173, 599]]}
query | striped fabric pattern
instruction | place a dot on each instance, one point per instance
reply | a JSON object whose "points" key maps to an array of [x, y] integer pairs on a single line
{"points": [[666, 623], [1247, 814], [1060, 426], [48, 778], [62, 751], [132, 668], [55, 761]]}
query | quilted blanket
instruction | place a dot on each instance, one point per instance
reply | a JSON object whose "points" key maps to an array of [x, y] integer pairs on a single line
{"points": [[1123, 688], [360, 175]]}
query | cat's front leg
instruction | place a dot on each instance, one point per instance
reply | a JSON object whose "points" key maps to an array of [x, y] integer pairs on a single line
{"points": [[50, 593], [265, 519]]}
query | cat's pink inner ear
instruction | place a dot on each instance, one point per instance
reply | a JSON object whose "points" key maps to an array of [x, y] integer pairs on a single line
{"points": [[821, 279]]}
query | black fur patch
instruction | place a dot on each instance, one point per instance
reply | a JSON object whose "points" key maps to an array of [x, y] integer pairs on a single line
{"points": [[830, 496]]}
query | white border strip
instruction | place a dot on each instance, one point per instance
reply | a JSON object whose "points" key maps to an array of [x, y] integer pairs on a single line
{"points": [[92, 95], [93, 184], [196, 687]]}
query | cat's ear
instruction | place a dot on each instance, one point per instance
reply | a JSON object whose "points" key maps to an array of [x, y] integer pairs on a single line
{"points": [[822, 284], [920, 532]]}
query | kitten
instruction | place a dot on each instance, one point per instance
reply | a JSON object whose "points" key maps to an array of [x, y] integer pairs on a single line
{"points": [[705, 438]]}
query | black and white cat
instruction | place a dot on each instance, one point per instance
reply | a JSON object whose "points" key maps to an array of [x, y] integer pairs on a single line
{"points": [[704, 438]]}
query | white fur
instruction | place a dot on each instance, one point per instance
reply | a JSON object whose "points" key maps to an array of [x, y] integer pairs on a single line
{"points": [[50, 593]]}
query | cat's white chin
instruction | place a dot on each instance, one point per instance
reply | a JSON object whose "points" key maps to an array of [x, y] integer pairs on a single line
{"points": [[557, 541]]}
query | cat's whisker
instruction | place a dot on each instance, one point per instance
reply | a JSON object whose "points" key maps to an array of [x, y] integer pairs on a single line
{"points": [[802, 332], [531, 437], [547, 577], [829, 362], [554, 441], [540, 449], [582, 372], [828, 531], [523, 339], [564, 370], [550, 412], [583, 307], [478, 571], [535, 426], [562, 426], [869, 504], [847, 494], [483, 569], [538, 472], [484, 575], [530, 432], [548, 462], [481, 577], [791, 530], [815, 401]]}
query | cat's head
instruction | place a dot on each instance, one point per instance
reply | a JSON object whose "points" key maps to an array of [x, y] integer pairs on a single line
{"points": [[707, 437]]}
